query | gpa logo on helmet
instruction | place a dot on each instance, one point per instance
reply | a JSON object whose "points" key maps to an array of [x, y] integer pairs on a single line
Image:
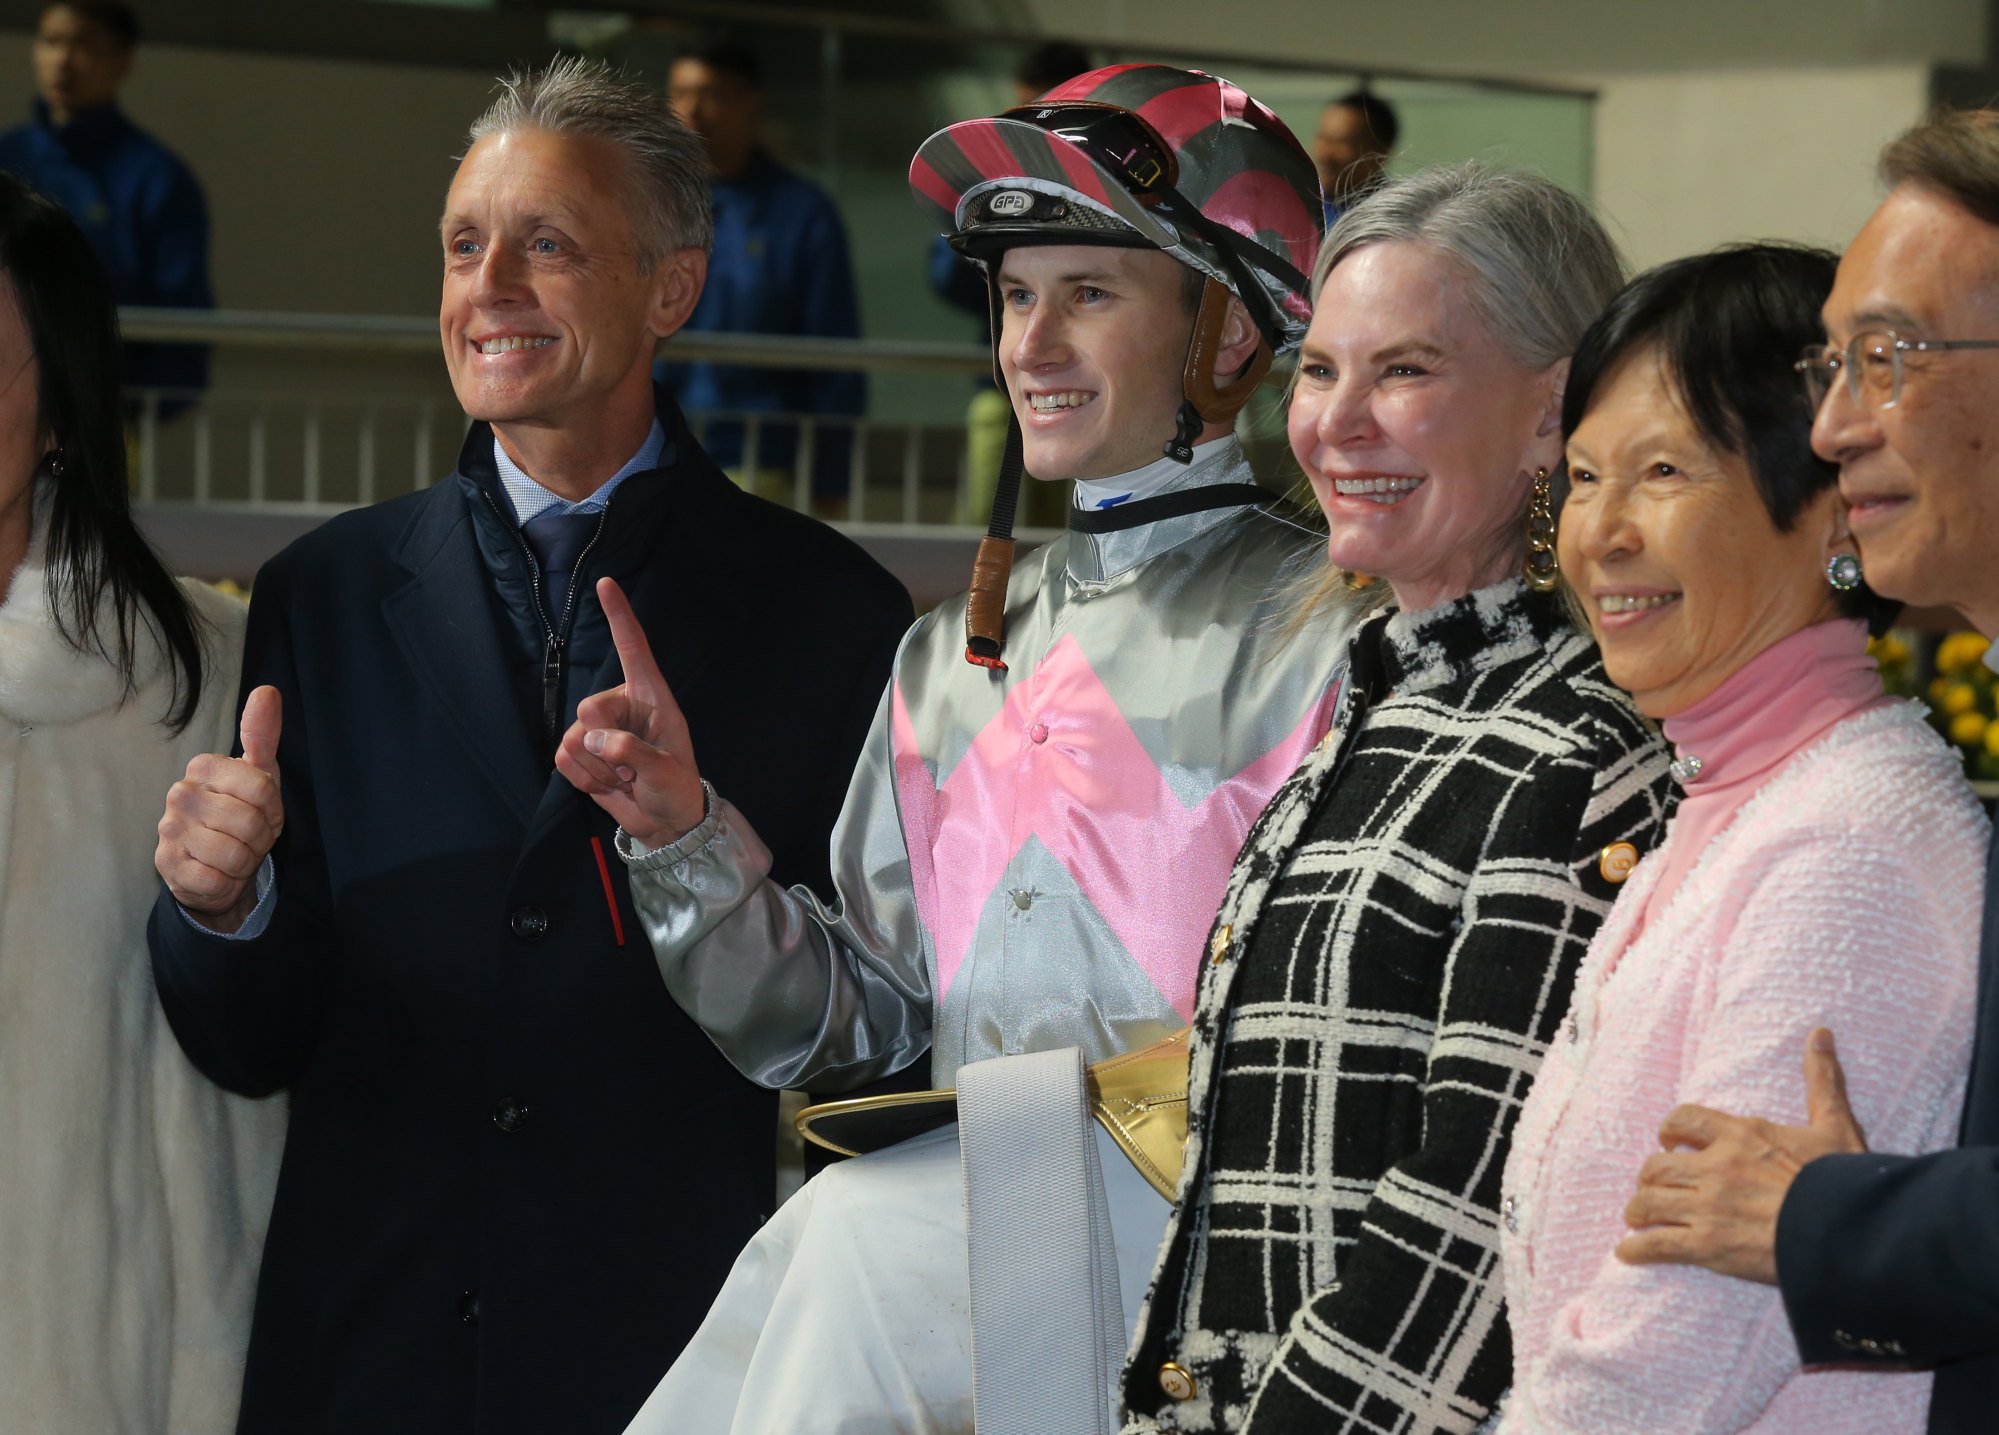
{"points": [[1009, 203]]}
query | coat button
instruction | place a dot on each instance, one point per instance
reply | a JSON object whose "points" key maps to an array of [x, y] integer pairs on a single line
{"points": [[1615, 862], [1023, 899], [1176, 1382], [510, 1114], [1509, 1212], [530, 924], [468, 1307], [1038, 732]]}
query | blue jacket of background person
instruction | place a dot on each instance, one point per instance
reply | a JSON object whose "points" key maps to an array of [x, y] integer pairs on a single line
{"points": [[516, 1173], [780, 266], [143, 212]]}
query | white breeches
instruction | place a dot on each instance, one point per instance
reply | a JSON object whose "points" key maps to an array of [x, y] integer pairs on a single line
{"points": [[850, 1311]]}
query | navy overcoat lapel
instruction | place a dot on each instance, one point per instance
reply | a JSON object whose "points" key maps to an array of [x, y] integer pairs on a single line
{"points": [[442, 619]]}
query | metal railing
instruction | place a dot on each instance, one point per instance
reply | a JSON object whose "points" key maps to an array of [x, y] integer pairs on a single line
{"points": [[228, 476], [912, 473]]}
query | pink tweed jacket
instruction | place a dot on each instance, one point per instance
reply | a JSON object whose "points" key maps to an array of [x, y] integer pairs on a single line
{"points": [[1845, 893]]}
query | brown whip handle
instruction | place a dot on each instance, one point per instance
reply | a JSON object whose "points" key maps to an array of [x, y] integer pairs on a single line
{"points": [[985, 605]]}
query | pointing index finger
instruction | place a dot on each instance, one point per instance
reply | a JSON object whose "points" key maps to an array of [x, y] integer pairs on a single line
{"points": [[634, 652]]}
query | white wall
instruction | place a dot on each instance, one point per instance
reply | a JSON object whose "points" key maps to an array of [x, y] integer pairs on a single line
{"points": [[325, 177], [1686, 161], [1716, 120], [1523, 37]]}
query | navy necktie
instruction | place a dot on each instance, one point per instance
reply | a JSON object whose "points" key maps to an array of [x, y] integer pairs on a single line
{"points": [[558, 540]]}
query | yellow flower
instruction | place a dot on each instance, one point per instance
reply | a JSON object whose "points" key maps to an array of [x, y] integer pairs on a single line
{"points": [[1938, 687], [1992, 738], [1960, 653], [1888, 650], [1969, 729], [1959, 699]]}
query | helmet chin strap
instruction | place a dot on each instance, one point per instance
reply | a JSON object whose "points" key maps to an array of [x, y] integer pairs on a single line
{"points": [[992, 568], [1204, 402]]}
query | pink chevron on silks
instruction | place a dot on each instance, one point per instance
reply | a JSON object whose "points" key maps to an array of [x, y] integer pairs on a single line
{"points": [[1088, 790]]}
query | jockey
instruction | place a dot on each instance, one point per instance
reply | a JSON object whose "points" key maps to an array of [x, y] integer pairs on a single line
{"points": [[1036, 840]]}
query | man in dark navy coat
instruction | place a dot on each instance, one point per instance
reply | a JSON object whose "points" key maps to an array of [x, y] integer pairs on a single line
{"points": [[516, 1173], [1885, 1259]]}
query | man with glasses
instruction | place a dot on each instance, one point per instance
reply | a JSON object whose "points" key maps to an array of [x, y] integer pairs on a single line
{"points": [[1882, 1258]]}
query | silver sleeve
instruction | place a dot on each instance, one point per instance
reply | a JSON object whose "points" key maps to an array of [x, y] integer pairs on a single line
{"points": [[796, 992]]}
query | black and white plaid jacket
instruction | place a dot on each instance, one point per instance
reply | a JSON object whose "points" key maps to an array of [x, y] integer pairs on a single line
{"points": [[1392, 958]]}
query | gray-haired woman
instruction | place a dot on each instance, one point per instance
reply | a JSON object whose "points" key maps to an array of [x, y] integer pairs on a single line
{"points": [[1404, 923]]}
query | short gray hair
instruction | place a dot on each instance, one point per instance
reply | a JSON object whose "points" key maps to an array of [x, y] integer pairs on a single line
{"points": [[668, 198], [1541, 267]]}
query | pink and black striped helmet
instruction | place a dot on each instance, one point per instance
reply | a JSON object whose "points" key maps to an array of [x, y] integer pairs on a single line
{"points": [[1140, 155]]}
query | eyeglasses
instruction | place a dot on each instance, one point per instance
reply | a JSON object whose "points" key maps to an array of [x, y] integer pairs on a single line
{"points": [[1872, 363], [1116, 138]]}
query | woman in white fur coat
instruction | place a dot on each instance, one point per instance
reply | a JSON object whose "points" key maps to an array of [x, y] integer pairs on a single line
{"points": [[133, 1193]]}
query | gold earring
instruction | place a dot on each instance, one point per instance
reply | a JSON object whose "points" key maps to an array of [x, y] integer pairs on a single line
{"points": [[1541, 571]]}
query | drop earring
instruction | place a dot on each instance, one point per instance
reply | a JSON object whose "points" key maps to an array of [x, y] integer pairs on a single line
{"points": [[1843, 571], [1542, 572]]}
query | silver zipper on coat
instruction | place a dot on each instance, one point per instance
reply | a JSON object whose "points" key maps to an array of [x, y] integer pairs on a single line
{"points": [[555, 643]]}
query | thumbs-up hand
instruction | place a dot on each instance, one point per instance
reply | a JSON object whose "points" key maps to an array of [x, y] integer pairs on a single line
{"points": [[222, 820], [628, 748]]}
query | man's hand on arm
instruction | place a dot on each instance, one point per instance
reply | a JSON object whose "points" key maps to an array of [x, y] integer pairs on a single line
{"points": [[222, 819], [629, 749], [1711, 1198]]}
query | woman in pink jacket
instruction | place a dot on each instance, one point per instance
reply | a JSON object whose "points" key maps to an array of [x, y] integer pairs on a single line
{"points": [[1823, 869]]}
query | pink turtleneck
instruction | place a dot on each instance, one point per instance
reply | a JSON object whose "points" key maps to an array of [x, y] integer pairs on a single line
{"points": [[1770, 709]]}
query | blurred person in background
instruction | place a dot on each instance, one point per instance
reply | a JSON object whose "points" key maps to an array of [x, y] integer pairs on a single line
{"points": [[516, 1172], [1046, 810], [133, 1194], [1883, 1258], [1403, 925], [780, 266], [137, 202], [1356, 135], [962, 284], [1818, 872]]}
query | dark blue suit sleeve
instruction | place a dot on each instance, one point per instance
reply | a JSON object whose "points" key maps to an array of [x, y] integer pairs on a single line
{"points": [[1899, 1251], [247, 1012]]}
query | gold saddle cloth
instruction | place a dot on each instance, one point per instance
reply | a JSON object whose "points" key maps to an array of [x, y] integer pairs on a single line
{"points": [[1139, 1097]]}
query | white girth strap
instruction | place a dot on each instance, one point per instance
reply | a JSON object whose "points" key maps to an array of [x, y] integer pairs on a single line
{"points": [[1048, 1327]]}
